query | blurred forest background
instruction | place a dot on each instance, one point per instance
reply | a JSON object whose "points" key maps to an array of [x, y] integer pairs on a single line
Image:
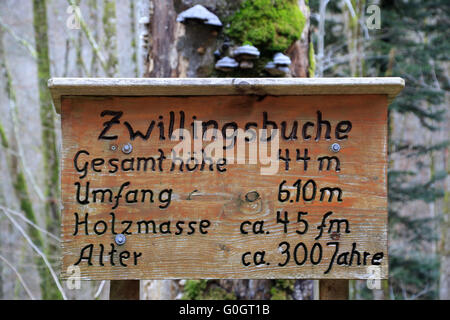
{"points": [[105, 38]]}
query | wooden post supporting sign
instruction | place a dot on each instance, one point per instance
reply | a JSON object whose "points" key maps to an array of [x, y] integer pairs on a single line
{"points": [[124, 290], [334, 289]]}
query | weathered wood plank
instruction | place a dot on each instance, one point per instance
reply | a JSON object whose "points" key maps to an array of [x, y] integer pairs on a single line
{"points": [[220, 197], [60, 87]]}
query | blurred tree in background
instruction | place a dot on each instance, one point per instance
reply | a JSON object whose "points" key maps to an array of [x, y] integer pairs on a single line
{"points": [[412, 43]]}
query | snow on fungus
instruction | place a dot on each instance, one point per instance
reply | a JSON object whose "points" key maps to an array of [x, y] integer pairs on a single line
{"points": [[284, 70], [275, 70], [200, 13], [246, 52], [226, 64], [281, 60]]}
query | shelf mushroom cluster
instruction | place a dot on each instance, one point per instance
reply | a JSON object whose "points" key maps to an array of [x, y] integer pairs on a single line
{"points": [[144, 22], [243, 57], [279, 66], [226, 64]]}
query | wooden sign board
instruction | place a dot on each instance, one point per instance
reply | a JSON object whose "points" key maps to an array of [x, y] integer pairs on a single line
{"points": [[322, 214]]}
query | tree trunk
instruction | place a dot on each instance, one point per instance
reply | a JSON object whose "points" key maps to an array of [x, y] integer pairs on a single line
{"points": [[444, 206], [49, 143], [14, 166], [187, 50]]}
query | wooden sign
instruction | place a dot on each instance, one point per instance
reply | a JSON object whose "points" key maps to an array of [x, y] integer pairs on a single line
{"points": [[311, 202]]}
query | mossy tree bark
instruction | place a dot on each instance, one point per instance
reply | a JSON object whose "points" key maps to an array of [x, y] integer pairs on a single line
{"points": [[93, 10], [179, 50], [110, 36], [356, 54], [134, 49], [49, 139], [20, 186], [302, 51]]}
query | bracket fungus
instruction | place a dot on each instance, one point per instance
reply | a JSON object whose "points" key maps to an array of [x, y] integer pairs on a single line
{"points": [[279, 66], [272, 69], [226, 64], [245, 64], [276, 70], [281, 60], [246, 52], [284, 70], [199, 14]]}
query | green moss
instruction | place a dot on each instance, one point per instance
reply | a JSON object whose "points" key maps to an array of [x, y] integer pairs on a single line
{"points": [[193, 289], [277, 294], [202, 290], [312, 61], [109, 27], [3, 138], [271, 25], [282, 289], [50, 153], [218, 293], [133, 40]]}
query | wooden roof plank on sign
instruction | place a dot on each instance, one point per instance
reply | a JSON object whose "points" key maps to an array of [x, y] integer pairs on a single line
{"points": [[59, 87]]}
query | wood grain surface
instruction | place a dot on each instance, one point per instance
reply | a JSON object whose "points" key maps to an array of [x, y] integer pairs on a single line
{"points": [[60, 87], [220, 197]]}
